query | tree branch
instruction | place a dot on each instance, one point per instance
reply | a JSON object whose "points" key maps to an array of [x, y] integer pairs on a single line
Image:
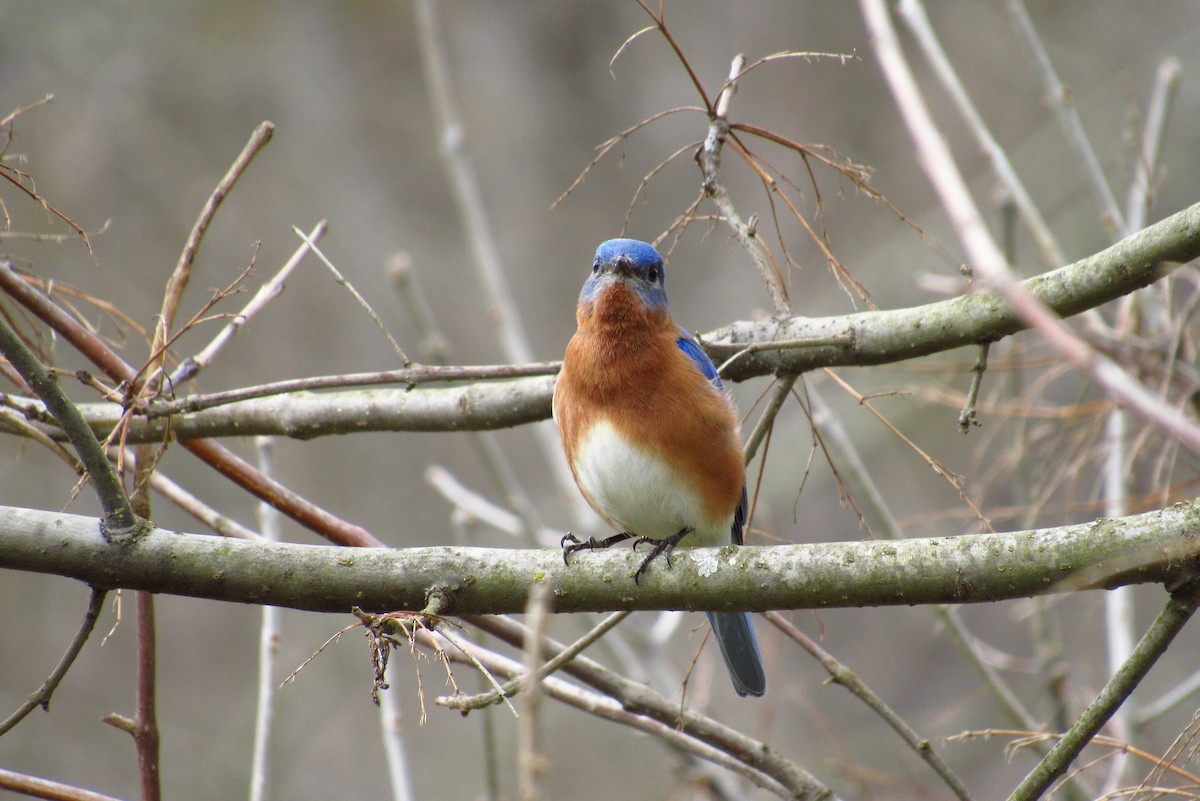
{"points": [[1153, 547], [864, 338]]}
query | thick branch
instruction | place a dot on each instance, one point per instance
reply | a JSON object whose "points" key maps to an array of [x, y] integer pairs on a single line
{"points": [[1152, 547]]}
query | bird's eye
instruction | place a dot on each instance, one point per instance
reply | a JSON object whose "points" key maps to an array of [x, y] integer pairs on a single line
{"points": [[652, 274], [595, 266]]}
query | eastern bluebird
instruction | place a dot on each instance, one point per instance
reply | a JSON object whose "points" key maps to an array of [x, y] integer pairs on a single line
{"points": [[650, 433]]}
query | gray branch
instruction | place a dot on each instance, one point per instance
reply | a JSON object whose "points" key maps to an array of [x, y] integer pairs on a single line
{"points": [[745, 349], [1157, 547]]}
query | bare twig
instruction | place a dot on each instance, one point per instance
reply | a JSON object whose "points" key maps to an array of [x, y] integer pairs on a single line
{"points": [[226, 462], [354, 293], [538, 672], [41, 696], [19, 110], [268, 291], [749, 757], [967, 417], [1141, 189], [183, 268], [609, 709], [531, 761], [145, 722], [709, 159], [119, 519], [493, 456], [1058, 94], [503, 311], [38, 787], [394, 752]]}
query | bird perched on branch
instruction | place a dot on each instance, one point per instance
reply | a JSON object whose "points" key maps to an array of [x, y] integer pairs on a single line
{"points": [[650, 433]]}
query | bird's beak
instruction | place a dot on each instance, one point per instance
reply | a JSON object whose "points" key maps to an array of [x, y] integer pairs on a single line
{"points": [[621, 268]]}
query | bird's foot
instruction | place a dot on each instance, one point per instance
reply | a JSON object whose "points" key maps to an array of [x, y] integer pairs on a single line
{"points": [[570, 544], [662, 548]]}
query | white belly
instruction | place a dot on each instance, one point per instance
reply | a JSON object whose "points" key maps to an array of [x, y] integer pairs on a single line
{"points": [[639, 493]]}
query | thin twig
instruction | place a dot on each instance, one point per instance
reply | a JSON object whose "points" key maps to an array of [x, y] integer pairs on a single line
{"points": [[145, 722], [465, 649], [354, 293], [493, 456], [1058, 94], [37, 787], [539, 672], [766, 420], [967, 417], [19, 110], [41, 696], [222, 459], [595, 704], [503, 310], [709, 159], [750, 758], [394, 752], [531, 761], [183, 268], [408, 377], [217, 521], [192, 365], [1162, 98]]}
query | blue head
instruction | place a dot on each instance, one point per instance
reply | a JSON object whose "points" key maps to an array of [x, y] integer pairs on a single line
{"points": [[632, 263]]}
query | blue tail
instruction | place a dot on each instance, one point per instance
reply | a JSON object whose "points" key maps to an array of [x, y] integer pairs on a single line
{"points": [[739, 647]]}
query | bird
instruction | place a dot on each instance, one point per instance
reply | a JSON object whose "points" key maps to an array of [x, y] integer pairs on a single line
{"points": [[650, 433]]}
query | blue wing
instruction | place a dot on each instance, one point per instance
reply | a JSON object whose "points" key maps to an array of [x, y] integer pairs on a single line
{"points": [[734, 632], [691, 348]]}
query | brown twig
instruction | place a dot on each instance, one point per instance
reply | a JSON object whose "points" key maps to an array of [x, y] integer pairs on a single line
{"points": [[183, 268], [37, 787]]}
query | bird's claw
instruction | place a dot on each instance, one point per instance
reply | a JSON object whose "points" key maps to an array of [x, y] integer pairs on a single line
{"points": [[663, 548]]}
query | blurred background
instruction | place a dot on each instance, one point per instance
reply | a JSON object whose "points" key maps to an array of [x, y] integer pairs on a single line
{"points": [[152, 102]]}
